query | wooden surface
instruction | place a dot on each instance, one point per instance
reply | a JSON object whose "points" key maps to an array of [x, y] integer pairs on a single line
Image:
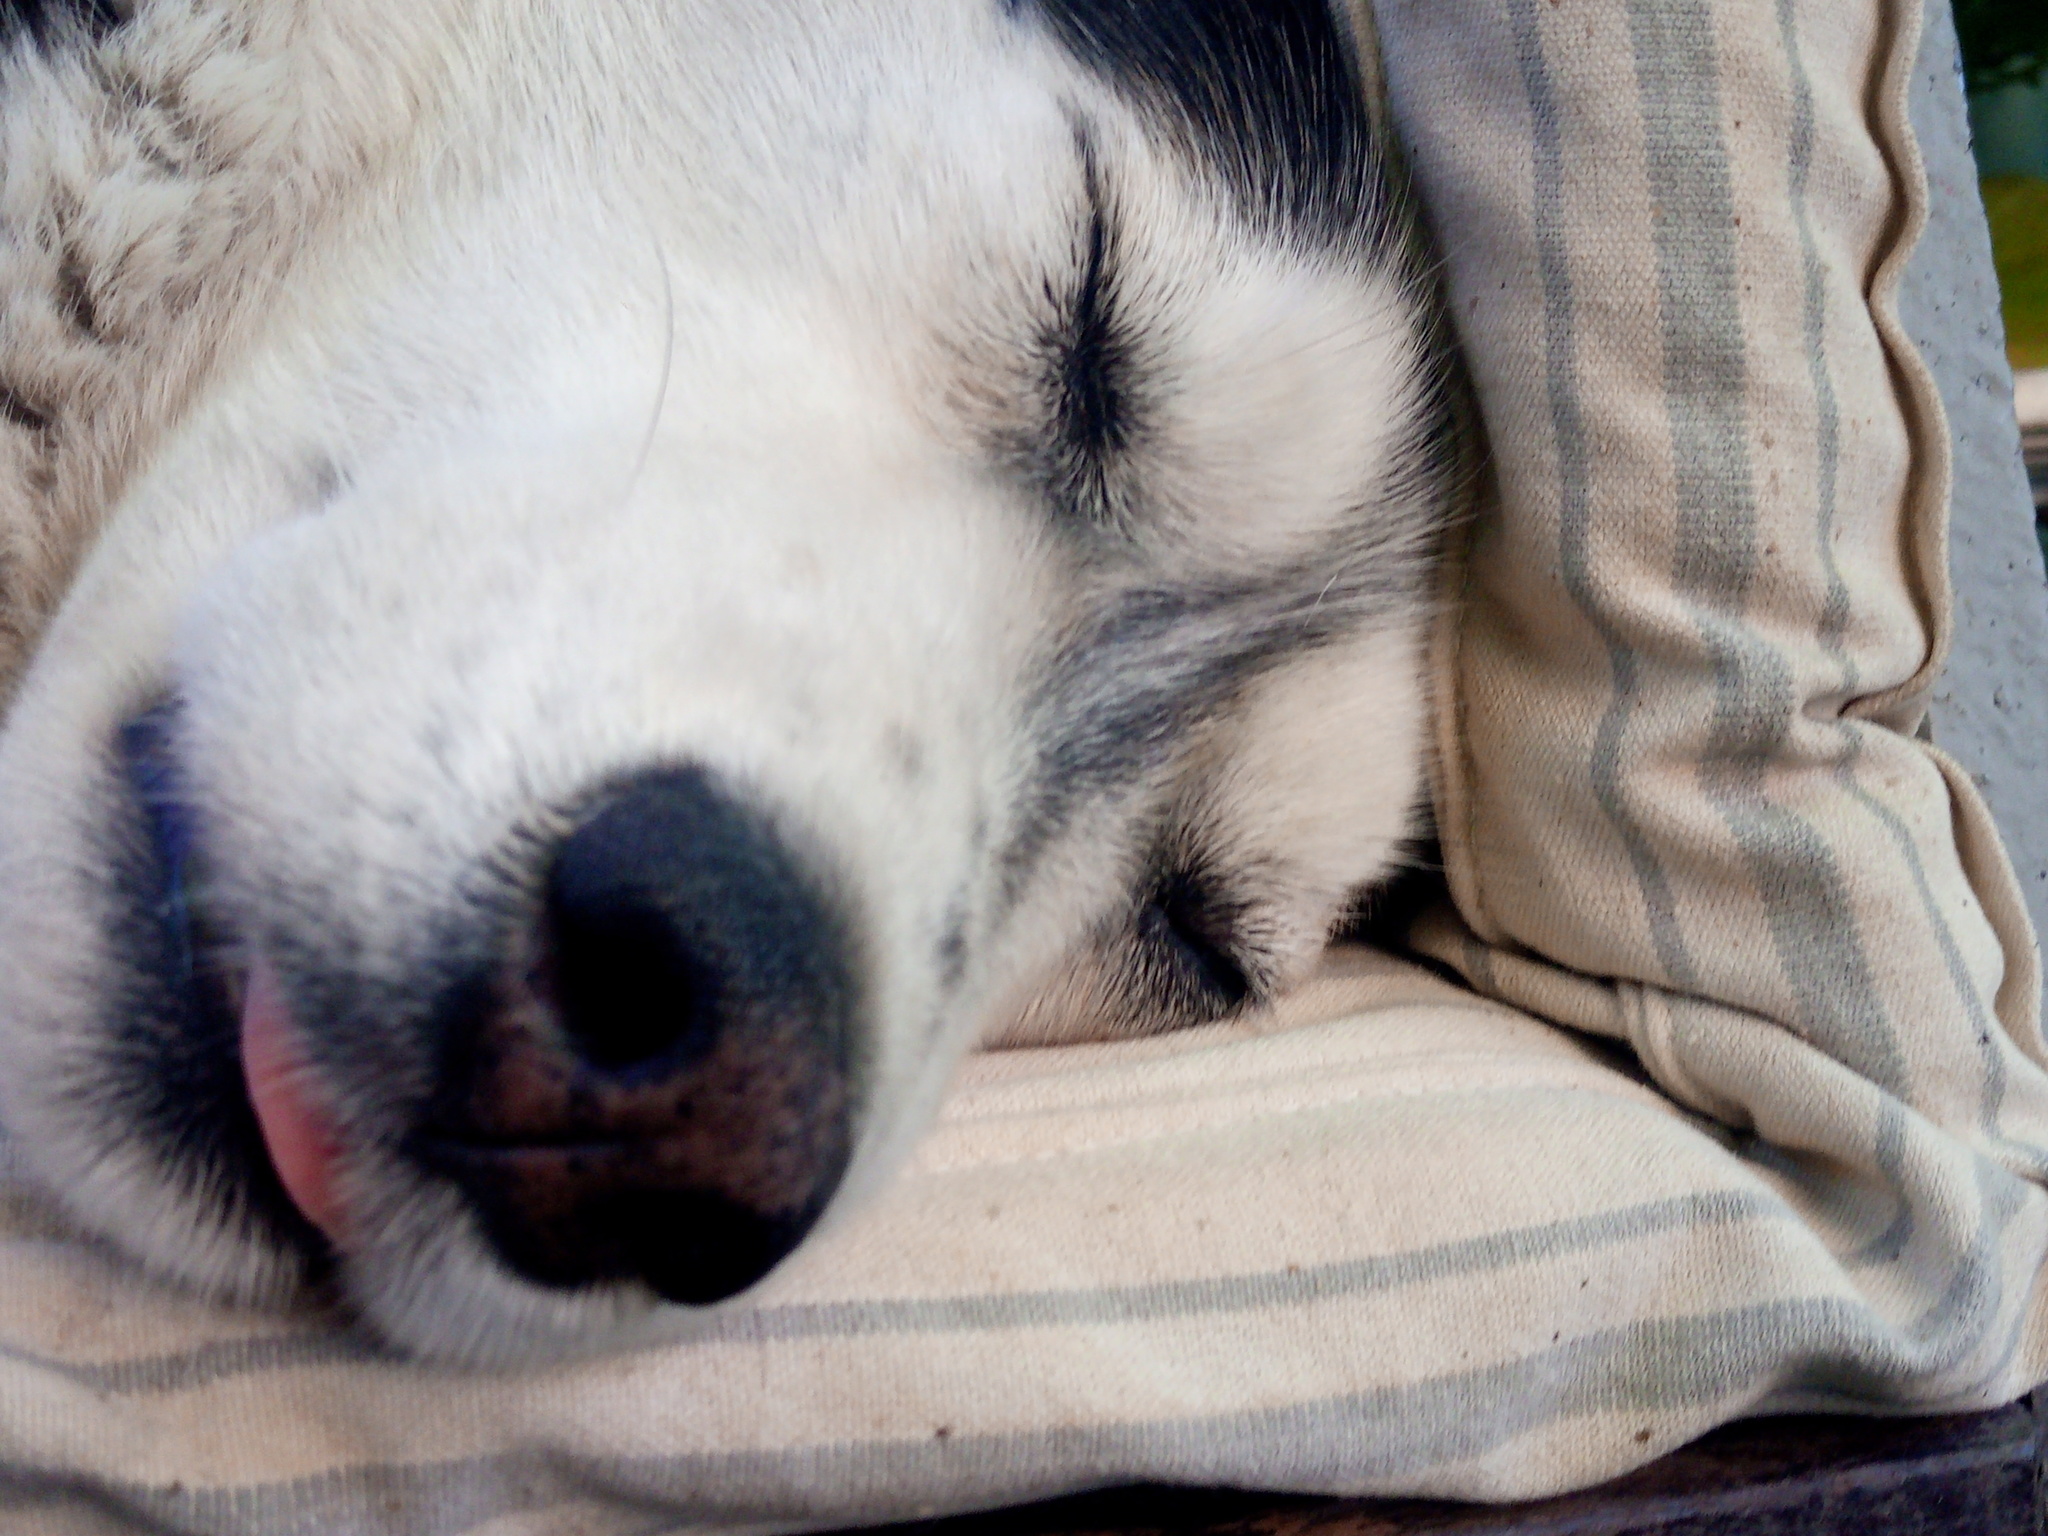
{"points": [[1974, 1476]]}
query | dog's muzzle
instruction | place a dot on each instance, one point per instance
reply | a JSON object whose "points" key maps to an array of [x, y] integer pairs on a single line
{"points": [[671, 1102], [656, 1088]]}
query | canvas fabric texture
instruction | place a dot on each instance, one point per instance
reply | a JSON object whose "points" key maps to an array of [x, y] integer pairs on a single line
{"points": [[1747, 1112], [1681, 800], [1389, 1238]]}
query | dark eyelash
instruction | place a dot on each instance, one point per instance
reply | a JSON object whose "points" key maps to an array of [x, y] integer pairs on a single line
{"points": [[1091, 405], [1091, 374], [1188, 928]]}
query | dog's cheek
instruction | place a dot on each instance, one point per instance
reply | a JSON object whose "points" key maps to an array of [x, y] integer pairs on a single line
{"points": [[1317, 788], [1075, 1003]]}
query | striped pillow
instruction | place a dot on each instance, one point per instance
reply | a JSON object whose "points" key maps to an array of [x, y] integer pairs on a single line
{"points": [[1682, 801]]}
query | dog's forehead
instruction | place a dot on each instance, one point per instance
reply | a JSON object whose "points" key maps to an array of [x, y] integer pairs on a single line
{"points": [[764, 116], [1263, 98]]}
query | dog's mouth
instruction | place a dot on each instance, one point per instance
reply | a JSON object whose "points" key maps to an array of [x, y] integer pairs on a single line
{"points": [[297, 1131], [663, 1096], [192, 1089]]}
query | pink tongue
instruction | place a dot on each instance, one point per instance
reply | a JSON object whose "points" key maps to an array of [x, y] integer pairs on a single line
{"points": [[304, 1146]]}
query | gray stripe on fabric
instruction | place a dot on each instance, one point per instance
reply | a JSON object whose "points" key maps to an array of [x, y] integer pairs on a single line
{"points": [[1824, 1351], [1984, 1027], [1834, 619], [1255, 1292], [190, 1370], [1835, 615], [1100, 1307], [1998, 1198], [1831, 1200], [1575, 504], [2017, 1194], [1953, 1323], [1806, 901], [1889, 1154]]}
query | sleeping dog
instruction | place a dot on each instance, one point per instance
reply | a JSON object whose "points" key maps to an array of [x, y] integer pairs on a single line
{"points": [[592, 593]]}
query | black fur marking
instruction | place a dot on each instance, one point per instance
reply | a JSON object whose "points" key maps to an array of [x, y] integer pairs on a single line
{"points": [[1267, 92], [1091, 375], [47, 22], [17, 410], [1089, 399], [172, 1074], [952, 945], [1188, 926], [324, 480], [74, 295], [1123, 692], [1091, 402]]}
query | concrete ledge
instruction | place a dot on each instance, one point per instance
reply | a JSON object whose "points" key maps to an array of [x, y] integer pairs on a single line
{"points": [[1990, 709]]}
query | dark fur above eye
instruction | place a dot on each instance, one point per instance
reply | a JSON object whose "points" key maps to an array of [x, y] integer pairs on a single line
{"points": [[1091, 383], [53, 22], [1091, 377]]}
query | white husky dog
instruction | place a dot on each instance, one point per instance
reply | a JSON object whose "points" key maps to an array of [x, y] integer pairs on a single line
{"points": [[595, 591]]}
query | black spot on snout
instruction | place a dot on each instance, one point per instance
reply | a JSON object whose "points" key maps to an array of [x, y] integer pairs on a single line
{"points": [[324, 480], [951, 950]]}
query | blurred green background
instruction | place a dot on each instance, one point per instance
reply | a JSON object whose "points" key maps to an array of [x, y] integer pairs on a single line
{"points": [[2005, 68]]}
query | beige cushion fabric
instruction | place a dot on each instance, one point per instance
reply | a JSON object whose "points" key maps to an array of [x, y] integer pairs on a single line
{"points": [[1389, 1239], [1392, 1238]]}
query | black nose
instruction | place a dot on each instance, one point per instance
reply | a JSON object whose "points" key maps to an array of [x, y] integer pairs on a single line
{"points": [[670, 910], [668, 1097]]}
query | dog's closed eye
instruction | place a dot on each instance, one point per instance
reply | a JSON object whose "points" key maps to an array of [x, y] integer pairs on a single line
{"points": [[1186, 930]]}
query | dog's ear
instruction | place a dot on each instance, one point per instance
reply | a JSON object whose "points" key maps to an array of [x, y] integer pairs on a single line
{"points": [[50, 21]]}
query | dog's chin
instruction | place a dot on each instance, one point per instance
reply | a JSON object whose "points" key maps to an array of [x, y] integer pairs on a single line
{"points": [[429, 1287], [410, 1256]]}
